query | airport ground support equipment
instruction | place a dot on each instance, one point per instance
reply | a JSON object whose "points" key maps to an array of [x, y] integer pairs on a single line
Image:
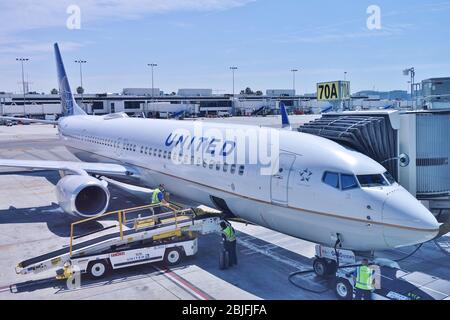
{"points": [[147, 238], [391, 282]]}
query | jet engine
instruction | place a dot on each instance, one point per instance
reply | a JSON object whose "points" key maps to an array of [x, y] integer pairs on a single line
{"points": [[82, 196]]}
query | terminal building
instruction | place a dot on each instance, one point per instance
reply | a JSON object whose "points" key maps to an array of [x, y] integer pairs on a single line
{"points": [[433, 94]]}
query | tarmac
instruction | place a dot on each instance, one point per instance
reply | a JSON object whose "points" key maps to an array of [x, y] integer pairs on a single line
{"points": [[31, 223]]}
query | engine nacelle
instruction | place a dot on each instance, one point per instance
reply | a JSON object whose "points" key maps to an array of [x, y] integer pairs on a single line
{"points": [[82, 196]]}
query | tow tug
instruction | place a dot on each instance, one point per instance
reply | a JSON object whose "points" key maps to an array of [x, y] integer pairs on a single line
{"points": [[167, 237], [335, 267]]}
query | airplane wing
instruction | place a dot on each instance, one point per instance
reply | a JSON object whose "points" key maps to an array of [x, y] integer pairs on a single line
{"points": [[72, 166], [29, 120]]}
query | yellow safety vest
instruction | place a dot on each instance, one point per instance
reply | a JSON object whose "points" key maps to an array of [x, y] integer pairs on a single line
{"points": [[155, 199], [229, 233], [364, 278]]}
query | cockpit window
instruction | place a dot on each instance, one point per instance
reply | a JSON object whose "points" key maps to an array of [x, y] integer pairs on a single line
{"points": [[389, 177], [331, 179], [372, 180], [348, 182]]}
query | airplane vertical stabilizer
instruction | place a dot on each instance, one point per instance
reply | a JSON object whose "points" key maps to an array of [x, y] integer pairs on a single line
{"points": [[69, 106], [284, 117]]}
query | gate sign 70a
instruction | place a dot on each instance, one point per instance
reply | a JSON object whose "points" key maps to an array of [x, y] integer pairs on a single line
{"points": [[336, 90]]}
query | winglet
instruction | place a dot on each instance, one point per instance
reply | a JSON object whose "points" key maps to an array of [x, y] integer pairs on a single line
{"points": [[69, 106], [285, 124]]}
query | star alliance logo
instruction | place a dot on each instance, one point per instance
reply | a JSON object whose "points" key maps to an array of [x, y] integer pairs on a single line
{"points": [[305, 175]]}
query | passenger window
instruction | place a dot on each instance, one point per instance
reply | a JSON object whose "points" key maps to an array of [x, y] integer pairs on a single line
{"points": [[241, 170], [211, 164], [225, 167], [348, 182], [233, 169], [218, 166], [204, 164], [142, 149], [331, 179], [165, 155]]}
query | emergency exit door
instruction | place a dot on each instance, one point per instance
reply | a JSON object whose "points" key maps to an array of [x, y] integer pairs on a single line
{"points": [[280, 180]]}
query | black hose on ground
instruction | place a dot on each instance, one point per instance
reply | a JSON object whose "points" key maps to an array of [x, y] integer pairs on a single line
{"points": [[301, 287], [410, 254]]}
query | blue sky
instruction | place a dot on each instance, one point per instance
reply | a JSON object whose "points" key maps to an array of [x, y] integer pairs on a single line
{"points": [[195, 41]]}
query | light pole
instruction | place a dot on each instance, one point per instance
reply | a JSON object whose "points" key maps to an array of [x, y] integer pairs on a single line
{"points": [[233, 109], [22, 60], [293, 79], [152, 65], [81, 62]]}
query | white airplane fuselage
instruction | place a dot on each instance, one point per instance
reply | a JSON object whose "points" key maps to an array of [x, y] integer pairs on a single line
{"points": [[295, 201]]}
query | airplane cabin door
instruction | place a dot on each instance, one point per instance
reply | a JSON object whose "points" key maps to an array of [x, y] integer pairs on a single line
{"points": [[280, 180]]}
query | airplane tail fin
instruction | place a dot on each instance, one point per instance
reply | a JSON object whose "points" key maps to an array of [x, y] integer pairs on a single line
{"points": [[69, 106], [284, 117]]}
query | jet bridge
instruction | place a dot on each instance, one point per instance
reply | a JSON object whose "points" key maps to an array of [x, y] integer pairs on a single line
{"points": [[373, 133]]}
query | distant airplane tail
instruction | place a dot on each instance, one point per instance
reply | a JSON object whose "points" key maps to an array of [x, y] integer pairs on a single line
{"points": [[69, 106], [284, 117]]}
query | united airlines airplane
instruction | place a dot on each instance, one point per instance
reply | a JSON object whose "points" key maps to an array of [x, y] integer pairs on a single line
{"points": [[320, 191]]}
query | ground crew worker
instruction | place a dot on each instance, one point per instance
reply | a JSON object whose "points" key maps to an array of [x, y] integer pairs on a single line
{"points": [[364, 281], [158, 198], [229, 241]]}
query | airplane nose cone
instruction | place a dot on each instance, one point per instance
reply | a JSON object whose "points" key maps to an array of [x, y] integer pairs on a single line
{"points": [[406, 220]]}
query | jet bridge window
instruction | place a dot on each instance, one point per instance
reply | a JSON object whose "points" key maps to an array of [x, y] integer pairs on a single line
{"points": [[348, 181], [331, 179], [372, 180]]}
